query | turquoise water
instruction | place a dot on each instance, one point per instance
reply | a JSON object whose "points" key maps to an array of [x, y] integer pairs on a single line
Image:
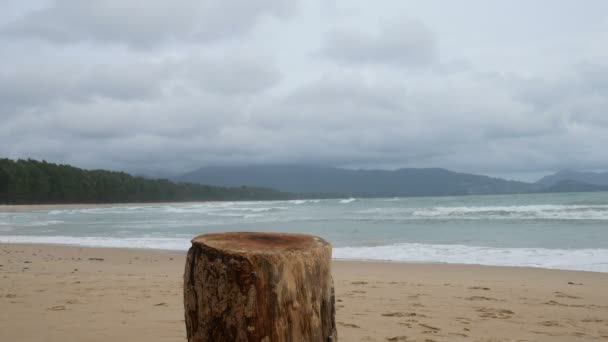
{"points": [[566, 231]]}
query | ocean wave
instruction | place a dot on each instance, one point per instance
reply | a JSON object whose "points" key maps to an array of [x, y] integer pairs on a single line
{"points": [[543, 212], [567, 259], [216, 210], [347, 200], [43, 223], [561, 212], [307, 201], [261, 210], [393, 199]]}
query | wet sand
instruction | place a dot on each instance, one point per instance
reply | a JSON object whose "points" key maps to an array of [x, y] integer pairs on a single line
{"points": [[54, 293], [21, 208]]}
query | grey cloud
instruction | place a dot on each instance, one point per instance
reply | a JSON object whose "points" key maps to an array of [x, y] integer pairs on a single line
{"points": [[339, 119], [42, 83], [376, 98], [577, 96], [408, 43], [143, 23], [232, 74]]}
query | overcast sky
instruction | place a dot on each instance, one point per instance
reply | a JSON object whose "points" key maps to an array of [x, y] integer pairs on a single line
{"points": [[509, 88]]}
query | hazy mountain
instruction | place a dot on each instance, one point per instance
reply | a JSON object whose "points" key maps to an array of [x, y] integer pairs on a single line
{"points": [[592, 178], [574, 186], [311, 179]]}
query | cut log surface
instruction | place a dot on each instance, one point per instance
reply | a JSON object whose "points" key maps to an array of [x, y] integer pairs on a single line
{"points": [[266, 287]]}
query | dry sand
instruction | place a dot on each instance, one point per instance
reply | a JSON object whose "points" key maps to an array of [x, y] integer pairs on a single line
{"points": [[85, 294]]}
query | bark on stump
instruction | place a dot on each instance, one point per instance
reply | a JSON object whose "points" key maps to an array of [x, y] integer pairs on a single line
{"points": [[262, 287]]}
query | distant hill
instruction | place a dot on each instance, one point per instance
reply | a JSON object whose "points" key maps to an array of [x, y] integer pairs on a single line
{"points": [[574, 186], [402, 182], [38, 182], [592, 178]]}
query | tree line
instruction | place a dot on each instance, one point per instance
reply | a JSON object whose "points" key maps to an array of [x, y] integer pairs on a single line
{"points": [[38, 182]]}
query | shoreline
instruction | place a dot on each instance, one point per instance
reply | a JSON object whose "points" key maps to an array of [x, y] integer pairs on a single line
{"points": [[98, 294], [24, 208], [335, 260]]}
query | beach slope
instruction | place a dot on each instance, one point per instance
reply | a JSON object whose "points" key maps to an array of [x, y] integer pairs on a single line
{"points": [[52, 293]]}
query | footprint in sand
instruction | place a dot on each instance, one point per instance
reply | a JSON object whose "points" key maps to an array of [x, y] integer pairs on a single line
{"points": [[348, 325], [592, 320], [478, 298], [552, 302], [129, 312], [495, 313], [463, 320], [402, 314], [548, 333], [398, 339], [550, 324], [57, 308], [458, 334], [563, 295], [479, 288], [431, 328]]}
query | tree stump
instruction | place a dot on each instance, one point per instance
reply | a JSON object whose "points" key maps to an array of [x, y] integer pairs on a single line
{"points": [[263, 287]]}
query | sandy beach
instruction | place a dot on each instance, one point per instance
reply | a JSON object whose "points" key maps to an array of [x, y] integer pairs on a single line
{"points": [[53, 293]]}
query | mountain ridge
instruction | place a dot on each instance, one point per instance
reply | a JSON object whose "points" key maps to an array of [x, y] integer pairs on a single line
{"points": [[574, 186], [319, 179], [588, 177]]}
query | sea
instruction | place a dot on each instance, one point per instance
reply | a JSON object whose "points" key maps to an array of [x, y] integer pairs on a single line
{"points": [[559, 231]]}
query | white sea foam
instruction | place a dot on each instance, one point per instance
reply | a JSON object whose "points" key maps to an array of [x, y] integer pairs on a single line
{"points": [[44, 223], [260, 210], [393, 199], [381, 213], [176, 244], [305, 201], [544, 212], [568, 259]]}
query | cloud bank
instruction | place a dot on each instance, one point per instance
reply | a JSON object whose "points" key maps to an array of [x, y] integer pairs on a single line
{"points": [[160, 87]]}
